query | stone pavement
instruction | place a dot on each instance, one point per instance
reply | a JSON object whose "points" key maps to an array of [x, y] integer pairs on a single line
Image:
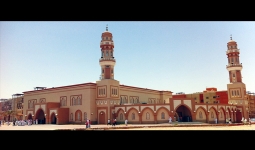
{"points": [[165, 126]]}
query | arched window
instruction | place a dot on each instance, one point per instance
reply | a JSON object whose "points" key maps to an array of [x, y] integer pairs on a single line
{"points": [[121, 116], [212, 115], [133, 116], [85, 116], [73, 101], [147, 116], [78, 116], [162, 115], [79, 101], [71, 116], [200, 115]]}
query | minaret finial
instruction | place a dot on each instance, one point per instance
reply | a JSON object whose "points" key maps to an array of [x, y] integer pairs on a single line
{"points": [[107, 27], [230, 36]]}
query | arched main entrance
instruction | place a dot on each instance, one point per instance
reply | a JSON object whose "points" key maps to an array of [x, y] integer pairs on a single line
{"points": [[238, 116], [184, 114], [40, 116], [53, 118], [102, 118]]}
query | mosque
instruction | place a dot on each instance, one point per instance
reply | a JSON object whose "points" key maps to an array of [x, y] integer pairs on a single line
{"points": [[108, 99]]}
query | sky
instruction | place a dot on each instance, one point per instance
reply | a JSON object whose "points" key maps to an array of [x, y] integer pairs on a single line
{"points": [[177, 56]]}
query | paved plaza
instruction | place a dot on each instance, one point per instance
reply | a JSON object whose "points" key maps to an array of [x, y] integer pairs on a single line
{"points": [[167, 126]]}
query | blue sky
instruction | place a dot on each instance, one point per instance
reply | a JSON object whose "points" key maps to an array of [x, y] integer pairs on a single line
{"points": [[180, 56]]}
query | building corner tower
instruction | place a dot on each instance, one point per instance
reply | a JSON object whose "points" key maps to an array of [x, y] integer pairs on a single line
{"points": [[236, 88]]}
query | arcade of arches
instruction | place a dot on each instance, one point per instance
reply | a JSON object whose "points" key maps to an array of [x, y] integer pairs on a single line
{"points": [[181, 114]]}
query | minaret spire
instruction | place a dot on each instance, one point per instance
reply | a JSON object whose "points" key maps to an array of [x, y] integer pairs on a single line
{"points": [[230, 36], [107, 27]]}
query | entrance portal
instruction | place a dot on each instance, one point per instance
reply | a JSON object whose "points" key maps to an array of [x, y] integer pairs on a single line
{"points": [[238, 116], [40, 116], [53, 118], [184, 114], [101, 117]]}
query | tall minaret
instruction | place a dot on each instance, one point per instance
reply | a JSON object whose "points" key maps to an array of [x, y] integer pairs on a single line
{"points": [[107, 61], [234, 66], [108, 90], [236, 88]]}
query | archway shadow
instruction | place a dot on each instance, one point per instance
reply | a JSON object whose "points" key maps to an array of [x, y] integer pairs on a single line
{"points": [[184, 114]]}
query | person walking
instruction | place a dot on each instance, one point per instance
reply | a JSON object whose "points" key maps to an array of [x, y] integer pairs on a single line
{"points": [[86, 123], [126, 121], [216, 120], [115, 121], [226, 120], [108, 122], [170, 119]]}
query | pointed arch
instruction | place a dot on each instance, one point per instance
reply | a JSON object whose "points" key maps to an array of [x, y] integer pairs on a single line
{"points": [[188, 107], [132, 115], [119, 110], [184, 113], [120, 114], [163, 108], [201, 114]]}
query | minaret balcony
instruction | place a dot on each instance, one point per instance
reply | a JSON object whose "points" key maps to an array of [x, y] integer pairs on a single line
{"points": [[234, 65], [103, 59], [232, 51], [106, 43]]}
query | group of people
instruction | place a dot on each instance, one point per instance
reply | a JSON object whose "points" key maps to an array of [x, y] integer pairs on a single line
{"points": [[228, 121], [244, 121], [17, 122], [114, 122]]}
